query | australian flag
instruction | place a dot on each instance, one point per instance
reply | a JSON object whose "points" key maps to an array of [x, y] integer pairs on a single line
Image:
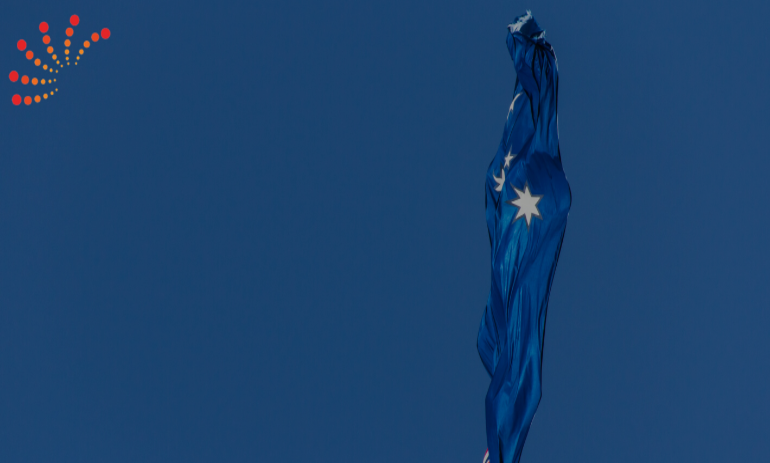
{"points": [[527, 202]]}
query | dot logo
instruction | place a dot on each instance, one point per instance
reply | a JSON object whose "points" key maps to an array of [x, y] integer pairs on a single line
{"points": [[42, 81]]}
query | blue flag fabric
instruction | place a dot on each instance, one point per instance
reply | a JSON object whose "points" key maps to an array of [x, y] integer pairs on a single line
{"points": [[527, 201]]}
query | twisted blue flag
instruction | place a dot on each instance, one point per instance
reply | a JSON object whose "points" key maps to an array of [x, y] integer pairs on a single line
{"points": [[527, 202]]}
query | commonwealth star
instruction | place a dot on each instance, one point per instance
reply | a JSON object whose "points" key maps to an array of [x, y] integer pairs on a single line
{"points": [[527, 204]]}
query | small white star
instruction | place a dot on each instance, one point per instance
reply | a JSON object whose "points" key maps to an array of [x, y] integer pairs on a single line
{"points": [[513, 103], [508, 159], [527, 204], [499, 180]]}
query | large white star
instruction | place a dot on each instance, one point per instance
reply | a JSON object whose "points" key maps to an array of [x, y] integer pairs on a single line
{"points": [[499, 180], [527, 204]]}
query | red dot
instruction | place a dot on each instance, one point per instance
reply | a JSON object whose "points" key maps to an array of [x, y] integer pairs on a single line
{"points": [[21, 45], [43, 27], [14, 76], [16, 100], [27, 100], [105, 33], [74, 20]]}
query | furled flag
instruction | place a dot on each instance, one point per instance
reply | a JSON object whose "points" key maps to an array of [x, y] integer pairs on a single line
{"points": [[527, 202]]}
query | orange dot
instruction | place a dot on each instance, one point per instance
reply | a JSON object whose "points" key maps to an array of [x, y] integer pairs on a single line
{"points": [[27, 100], [43, 27], [74, 20], [66, 52], [24, 80], [30, 55], [54, 56], [45, 95], [34, 81], [86, 44], [16, 100], [37, 98], [49, 50], [21, 45], [105, 33], [46, 39], [95, 37], [67, 43], [14, 76], [81, 52], [37, 62], [45, 66], [42, 81], [69, 32]]}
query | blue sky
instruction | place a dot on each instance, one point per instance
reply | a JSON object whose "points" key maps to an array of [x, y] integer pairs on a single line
{"points": [[254, 231]]}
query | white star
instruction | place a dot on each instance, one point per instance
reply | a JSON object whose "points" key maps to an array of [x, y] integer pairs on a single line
{"points": [[508, 159], [499, 180], [513, 102], [527, 204]]}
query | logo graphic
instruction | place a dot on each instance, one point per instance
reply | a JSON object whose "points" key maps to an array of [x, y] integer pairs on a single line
{"points": [[44, 78]]}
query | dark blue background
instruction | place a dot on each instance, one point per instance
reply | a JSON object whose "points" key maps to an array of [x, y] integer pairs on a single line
{"points": [[254, 231]]}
